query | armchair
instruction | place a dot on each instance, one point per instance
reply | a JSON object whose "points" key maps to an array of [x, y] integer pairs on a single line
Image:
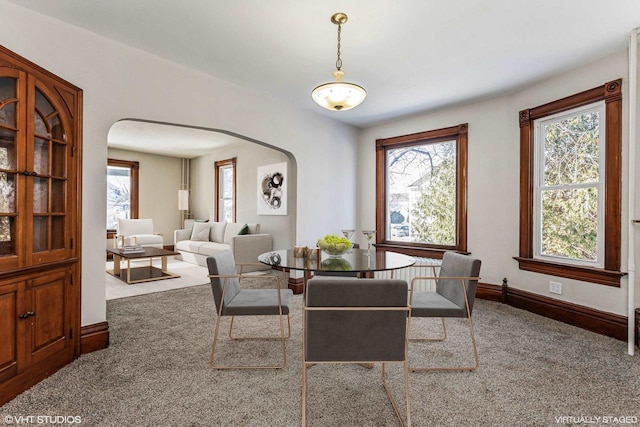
{"points": [[142, 230]]}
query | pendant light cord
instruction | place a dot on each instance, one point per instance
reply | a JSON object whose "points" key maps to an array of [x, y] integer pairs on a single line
{"points": [[339, 60]]}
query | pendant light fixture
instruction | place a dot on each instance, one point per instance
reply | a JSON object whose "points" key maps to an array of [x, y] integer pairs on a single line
{"points": [[338, 95]]}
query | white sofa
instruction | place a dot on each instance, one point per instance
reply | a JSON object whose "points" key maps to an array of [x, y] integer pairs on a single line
{"points": [[198, 240], [142, 230]]}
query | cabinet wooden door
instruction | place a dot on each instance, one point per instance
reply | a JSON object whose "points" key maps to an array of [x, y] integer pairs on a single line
{"points": [[48, 327], [10, 305], [34, 320]]}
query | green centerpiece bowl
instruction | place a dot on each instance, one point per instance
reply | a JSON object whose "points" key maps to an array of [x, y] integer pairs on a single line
{"points": [[336, 264], [334, 245]]}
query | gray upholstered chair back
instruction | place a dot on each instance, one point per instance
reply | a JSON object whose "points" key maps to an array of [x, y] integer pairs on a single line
{"points": [[222, 263], [347, 336], [457, 265]]}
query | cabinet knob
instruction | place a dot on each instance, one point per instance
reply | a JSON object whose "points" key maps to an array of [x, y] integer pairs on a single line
{"points": [[27, 314]]}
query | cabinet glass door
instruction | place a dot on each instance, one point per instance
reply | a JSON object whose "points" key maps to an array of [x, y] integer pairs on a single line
{"points": [[48, 157], [8, 165]]}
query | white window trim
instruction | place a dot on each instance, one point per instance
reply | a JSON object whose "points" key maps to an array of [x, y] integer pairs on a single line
{"points": [[538, 186]]}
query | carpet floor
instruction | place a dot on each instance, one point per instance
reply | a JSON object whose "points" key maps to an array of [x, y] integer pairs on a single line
{"points": [[533, 372]]}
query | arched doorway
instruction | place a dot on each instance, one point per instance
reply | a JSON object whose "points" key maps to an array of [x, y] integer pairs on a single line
{"points": [[162, 148]]}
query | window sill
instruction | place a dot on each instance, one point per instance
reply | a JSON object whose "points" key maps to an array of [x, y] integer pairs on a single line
{"points": [[585, 274], [416, 250]]}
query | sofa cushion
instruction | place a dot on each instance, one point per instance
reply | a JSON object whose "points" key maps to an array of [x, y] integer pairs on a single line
{"points": [[217, 231], [212, 248], [233, 229], [147, 239], [200, 232], [244, 230], [189, 245]]}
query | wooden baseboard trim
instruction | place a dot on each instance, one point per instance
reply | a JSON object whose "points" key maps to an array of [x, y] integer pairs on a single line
{"points": [[609, 324], [94, 337], [604, 323], [489, 292]]}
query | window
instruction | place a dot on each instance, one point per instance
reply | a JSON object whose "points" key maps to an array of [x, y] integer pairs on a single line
{"points": [[570, 176], [421, 192], [568, 193], [122, 191], [225, 179]]}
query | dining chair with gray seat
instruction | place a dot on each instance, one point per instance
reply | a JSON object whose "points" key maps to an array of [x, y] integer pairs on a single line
{"points": [[348, 320], [232, 300], [454, 296]]}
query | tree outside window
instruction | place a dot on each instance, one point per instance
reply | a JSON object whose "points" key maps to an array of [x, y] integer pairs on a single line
{"points": [[422, 188], [569, 186]]}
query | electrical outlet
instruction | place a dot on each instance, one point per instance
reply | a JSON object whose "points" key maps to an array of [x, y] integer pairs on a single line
{"points": [[555, 287]]}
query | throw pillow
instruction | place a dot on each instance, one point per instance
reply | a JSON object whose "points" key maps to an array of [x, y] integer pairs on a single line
{"points": [[244, 230], [200, 231]]}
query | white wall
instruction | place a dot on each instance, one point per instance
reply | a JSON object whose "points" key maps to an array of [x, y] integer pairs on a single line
{"points": [[158, 180], [493, 181], [122, 82], [249, 157]]}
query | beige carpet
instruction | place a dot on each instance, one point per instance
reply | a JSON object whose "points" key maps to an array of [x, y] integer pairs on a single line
{"points": [[190, 275], [533, 372]]}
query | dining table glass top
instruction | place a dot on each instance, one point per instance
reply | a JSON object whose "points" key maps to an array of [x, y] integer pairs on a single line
{"points": [[355, 261]]}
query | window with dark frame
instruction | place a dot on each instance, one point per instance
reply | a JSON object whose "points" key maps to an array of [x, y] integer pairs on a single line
{"points": [[225, 184], [421, 192], [570, 186], [122, 191]]}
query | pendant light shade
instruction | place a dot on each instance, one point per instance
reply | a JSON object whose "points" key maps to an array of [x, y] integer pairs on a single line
{"points": [[338, 95], [183, 200]]}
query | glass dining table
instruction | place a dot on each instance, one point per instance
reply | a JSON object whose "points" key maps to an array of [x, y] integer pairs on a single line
{"points": [[362, 263]]}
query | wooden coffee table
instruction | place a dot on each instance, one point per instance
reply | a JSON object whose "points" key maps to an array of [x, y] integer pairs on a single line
{"points": [[146, 273]]}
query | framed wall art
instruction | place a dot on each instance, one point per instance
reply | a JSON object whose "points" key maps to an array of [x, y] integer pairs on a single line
{"points": [[272, 189]]}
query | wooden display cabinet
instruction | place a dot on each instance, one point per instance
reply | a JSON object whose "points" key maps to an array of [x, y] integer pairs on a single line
{"points": [[40, 187]]}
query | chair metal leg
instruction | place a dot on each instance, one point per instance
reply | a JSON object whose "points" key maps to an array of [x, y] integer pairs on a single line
{"points": [[215, 340], [406, 396], [473, 340], [442, 338], [282, 339], [457, 368], [260, 338], [304, 394], [304, 374]]}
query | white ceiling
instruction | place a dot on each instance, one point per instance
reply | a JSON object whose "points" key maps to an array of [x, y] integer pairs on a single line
{"points": [[412, 56], [166, 139]]}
